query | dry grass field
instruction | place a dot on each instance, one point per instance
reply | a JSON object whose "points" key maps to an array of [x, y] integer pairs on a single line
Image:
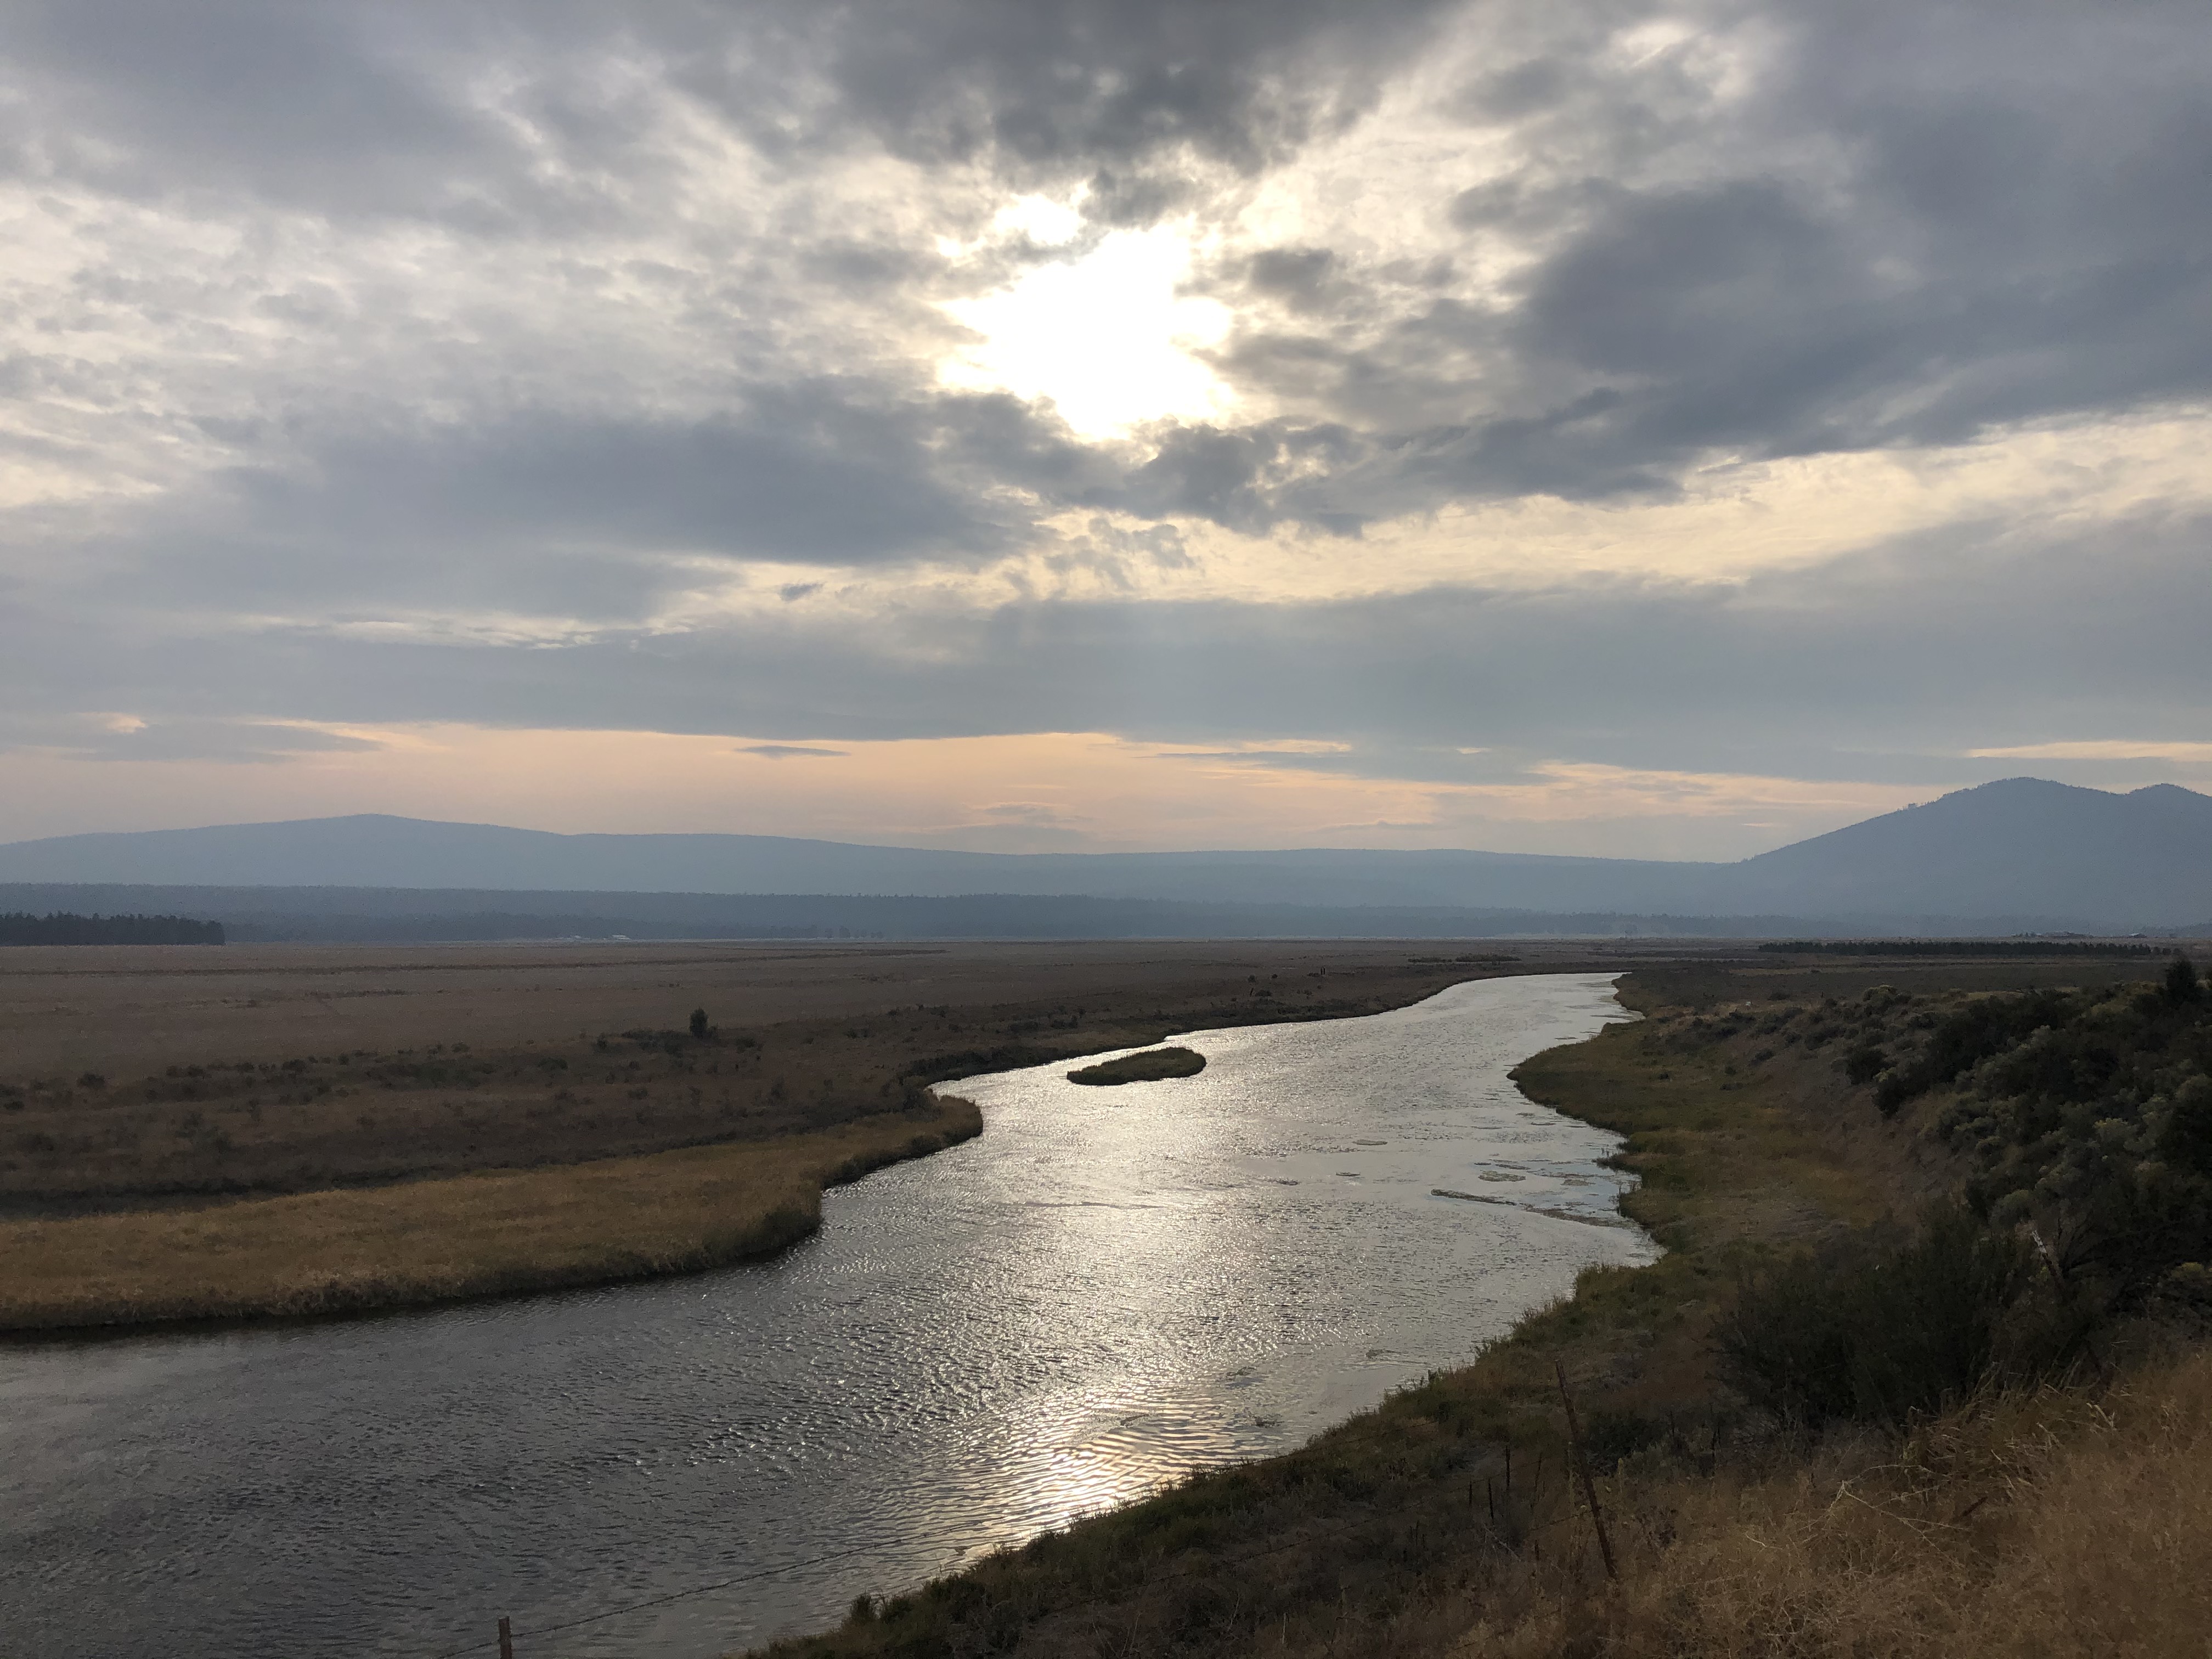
{"points": [[436, 1241], [130, 1076], [2047, 1524], [199, 1132]]}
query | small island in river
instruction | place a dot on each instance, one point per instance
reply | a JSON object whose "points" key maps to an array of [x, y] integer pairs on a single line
{"points": [[1147, 1068]]}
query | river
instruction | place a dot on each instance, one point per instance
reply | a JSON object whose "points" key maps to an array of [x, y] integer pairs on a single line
{"points": [[1109, 1287]]}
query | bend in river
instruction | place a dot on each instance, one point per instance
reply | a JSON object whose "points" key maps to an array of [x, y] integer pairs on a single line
{"points": [[1111, 1287]]}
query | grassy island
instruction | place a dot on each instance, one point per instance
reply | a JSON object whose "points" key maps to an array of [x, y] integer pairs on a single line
{"points": [[1921, 1373], [1150, 1066]]}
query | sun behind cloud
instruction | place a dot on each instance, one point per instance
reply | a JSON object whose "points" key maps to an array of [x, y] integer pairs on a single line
{"points": [[1106, 338]]}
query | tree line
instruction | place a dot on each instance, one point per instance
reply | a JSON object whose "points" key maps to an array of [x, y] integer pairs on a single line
{"points": [[62, 928]]}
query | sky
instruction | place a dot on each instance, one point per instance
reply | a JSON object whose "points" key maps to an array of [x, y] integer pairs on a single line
{"points": [[1582, 426]]}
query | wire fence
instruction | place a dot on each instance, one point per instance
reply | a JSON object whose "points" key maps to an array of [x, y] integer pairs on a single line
{"points": [[491, 1643], [1533, 1528]]}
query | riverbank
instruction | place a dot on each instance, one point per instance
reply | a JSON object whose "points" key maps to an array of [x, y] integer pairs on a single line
{"points": [[426, 1241], [1446, 1523], [129, 1080], [340, 1178]]}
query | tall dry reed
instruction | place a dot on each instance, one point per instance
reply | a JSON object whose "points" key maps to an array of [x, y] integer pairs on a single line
{"points": [[434, 1241], [2040, 1525]]}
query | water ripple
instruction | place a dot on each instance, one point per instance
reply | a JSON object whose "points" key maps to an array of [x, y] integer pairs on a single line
{"points": [[1109, 1288]]}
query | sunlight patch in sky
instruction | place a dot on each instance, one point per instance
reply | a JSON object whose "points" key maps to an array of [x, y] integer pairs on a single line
{"points": [[1106, 338]]}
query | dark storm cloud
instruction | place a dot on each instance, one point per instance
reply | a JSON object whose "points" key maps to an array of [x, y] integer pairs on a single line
{"points": [[1919, 223], [373, 109], [603, 517], [1089, 85], [1912, 223], [806, 473]]}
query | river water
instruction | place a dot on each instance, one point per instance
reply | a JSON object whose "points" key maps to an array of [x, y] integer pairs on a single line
{"points": [[1108, 1288]]}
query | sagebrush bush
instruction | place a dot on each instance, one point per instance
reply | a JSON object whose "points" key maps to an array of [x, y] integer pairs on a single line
{"points": [[2085, 1114], [1875, 1331]]}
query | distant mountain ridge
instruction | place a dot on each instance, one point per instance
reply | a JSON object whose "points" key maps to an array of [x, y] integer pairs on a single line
{"points": [[2022, 844], [2019, 848], [399, 915], [373, 850]]}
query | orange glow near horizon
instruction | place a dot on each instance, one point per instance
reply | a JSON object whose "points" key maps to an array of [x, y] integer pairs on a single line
{"points": [[1043, 792]]}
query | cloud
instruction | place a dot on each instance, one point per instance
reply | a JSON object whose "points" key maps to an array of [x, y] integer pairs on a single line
{"points": [[791, 751], [515, 111], [534, 367], [1891, 662], [1785, 234], [1699, 230], [1095, 88], [2105, 749], [129, 739]]}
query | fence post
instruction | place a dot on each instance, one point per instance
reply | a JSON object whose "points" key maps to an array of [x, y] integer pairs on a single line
{"points": [[506, 1638], [1581, 1465]]}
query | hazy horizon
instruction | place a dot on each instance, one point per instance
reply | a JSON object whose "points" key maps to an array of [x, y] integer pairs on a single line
{"points": [[890, 844], [1647, 428]]}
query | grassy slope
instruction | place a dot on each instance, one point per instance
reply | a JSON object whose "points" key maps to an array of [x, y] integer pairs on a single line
{"points": [[1441, 1522], [435, 1241], [2061, 1521]]}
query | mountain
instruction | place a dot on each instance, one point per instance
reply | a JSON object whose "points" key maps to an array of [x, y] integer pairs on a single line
{"points": [[2024, 851], [413, 915], [377, 851], [2020, 845]]}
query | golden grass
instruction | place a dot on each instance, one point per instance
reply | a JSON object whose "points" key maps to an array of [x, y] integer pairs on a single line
{"points": [[336, 1072], [436, 1241], [2028, 1527]]}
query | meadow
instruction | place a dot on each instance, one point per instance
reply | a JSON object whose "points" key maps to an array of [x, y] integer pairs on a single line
{"points": [[420, 1242], [137, 1077], [229, 1132]]}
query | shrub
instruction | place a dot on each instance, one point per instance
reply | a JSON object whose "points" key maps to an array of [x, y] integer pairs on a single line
{"points": [[1891, 1092], [1877, 1333], [1610, 1436], [2182, 986], [1153, 1065], [1865, 1063], [2187, 1139]]}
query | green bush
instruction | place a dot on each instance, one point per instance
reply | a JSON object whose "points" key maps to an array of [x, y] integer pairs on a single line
{"points": [[1876, 1333], [1865, 1063], [2182, 985]]}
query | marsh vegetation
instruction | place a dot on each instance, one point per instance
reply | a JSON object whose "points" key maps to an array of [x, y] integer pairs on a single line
{"points": [[151, 1174], [439, 1241], [1150, 1066]]}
